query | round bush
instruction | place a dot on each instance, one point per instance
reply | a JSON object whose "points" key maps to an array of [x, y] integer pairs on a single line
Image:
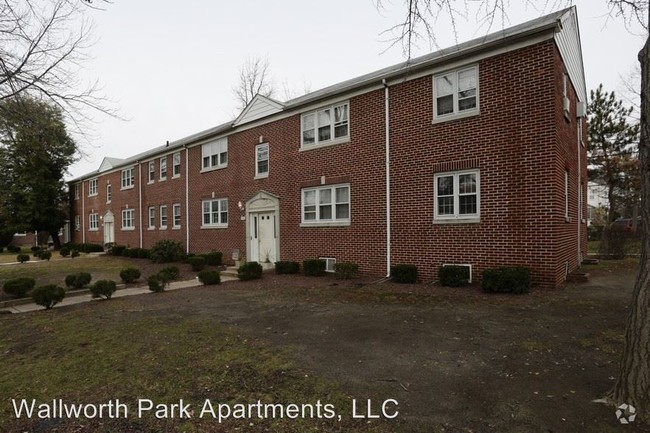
{"points": [[103, 289], [209, 277], [156, 283], [22, 258], [45, 255], [64, 251], [249, 271], [48, 296], [197, 263], [78, 280], [169, 273], [13, 249], [129, 275], [18, 287], [74, 253], [166, 251]]}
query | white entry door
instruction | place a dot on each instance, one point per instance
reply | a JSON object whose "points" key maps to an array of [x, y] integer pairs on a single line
{"points": [[263, 236], [109, 228]]}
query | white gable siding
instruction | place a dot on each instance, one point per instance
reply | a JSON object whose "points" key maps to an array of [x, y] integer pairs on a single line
{"points": [[568, 42], [259, 107]]}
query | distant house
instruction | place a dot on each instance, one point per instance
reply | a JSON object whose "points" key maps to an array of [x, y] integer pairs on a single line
{"points": [[471, 155]]}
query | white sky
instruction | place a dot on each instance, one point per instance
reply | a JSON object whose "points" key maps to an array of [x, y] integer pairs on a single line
{"points": [[170, 65]]}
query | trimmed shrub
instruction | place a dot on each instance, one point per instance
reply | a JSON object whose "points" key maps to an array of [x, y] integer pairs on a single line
{"points": [[78, 280], [213, 258], [404, 274], [36, 251], [103, 289], [48, 296], [286, 267], [129, 275], [197, 263], [166, 251], [249, 271], [22, 258], [346, 270], [86, 247], [117, 250], [170, 272], [143, 253], [45, 255], [209, 277], [64, 251], [506, 280], [13, 249], [314, 267], [18, 287], [158, 282], [74, 253], [453, 276]]}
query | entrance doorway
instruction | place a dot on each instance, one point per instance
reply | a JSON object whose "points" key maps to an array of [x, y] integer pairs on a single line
{"points": [[109, 228]]}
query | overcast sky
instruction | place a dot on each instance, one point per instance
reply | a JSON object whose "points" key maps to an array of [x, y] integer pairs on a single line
{"points": [[170, 65]]}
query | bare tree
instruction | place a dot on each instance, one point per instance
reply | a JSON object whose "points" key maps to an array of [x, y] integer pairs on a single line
{"points": [[633, 383], [43, 45], [254, 78]]}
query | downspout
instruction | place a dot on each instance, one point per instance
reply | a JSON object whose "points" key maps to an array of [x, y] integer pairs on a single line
{"points": [[387, 134], [580, 195], [140, 200], [83, 211], [187, 201]]}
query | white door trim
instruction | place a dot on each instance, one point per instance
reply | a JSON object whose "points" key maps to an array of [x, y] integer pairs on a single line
{"points": [[262, 202]]}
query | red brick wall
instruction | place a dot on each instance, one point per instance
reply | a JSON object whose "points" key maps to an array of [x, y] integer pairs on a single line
{"points": [[521, 143]]}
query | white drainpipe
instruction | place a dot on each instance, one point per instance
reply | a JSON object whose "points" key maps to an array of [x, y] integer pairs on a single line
{"points": [[83, 211], [140, 201], [187, 200], [387, 133]]}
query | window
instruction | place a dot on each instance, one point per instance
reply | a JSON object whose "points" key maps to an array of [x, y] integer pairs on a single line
{"points": [[325, 125], [215, 213], [262, 160], [152, 217], [92, 187], [77, 223], [76, 191], [152, 171], [177, 216], [163, 216], [457, 196], [326, 204], [329, 263], [176, 161], [215, 154], [109, 193], [128, 219], [163, 168], [93, 224], [127, 178], [456, 93], [566, 195]]}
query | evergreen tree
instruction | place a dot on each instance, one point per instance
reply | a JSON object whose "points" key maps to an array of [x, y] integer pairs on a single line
{"points": [[35, 152]]}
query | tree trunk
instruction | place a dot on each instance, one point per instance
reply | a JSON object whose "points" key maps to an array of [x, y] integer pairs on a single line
{"points": [[633, 383]]}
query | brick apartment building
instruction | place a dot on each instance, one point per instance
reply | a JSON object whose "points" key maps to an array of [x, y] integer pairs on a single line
{"points": [[471, 155]]}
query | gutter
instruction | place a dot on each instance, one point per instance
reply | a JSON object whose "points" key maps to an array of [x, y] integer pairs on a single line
{"points": [[387, 134]]}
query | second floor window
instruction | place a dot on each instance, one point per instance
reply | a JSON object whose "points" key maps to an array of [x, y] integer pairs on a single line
{"points": [[127, 178], [456, 92], [262, 160], [215, 154], [176, 158], [109, 193], [152, 171], [163, 168], [92, 187], [325, 125]]}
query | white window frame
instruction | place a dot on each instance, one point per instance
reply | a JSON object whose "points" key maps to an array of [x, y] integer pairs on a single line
{"points": [[329, 263], [76, 191], [92, 187], [258, 149], [151, 176], [566, 196], [457, 217], [127, 179], [93, 222], [317, 206], [128, 219], [77, 223], [109, 193], [214, 155], [219, 213], [163, 167], [176, 216], [457, 113], [152, 217], [332, 126], [176, 165], [163, 217]]}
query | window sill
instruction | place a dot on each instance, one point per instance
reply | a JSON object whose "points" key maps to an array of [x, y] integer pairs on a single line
{"points": [[162, 179], [457, 221], [151, 229], [93, 195], [208, 169], [151, 182], [214, 227], [108, 202], [93, 230], [176, 227], [456, 116], [306, 147], [162, 228], [326, 224], [261, 176], [176, 176], [128, 229], [126, 187]]}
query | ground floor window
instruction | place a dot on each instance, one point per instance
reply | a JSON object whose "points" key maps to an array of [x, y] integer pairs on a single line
{"points": [[457, 196], [215, 212], [93, 222], [128, 219], [177, 216], [326, 204]]}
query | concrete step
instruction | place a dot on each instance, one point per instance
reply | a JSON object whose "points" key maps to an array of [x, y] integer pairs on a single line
{"points": [[230, 271]]}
